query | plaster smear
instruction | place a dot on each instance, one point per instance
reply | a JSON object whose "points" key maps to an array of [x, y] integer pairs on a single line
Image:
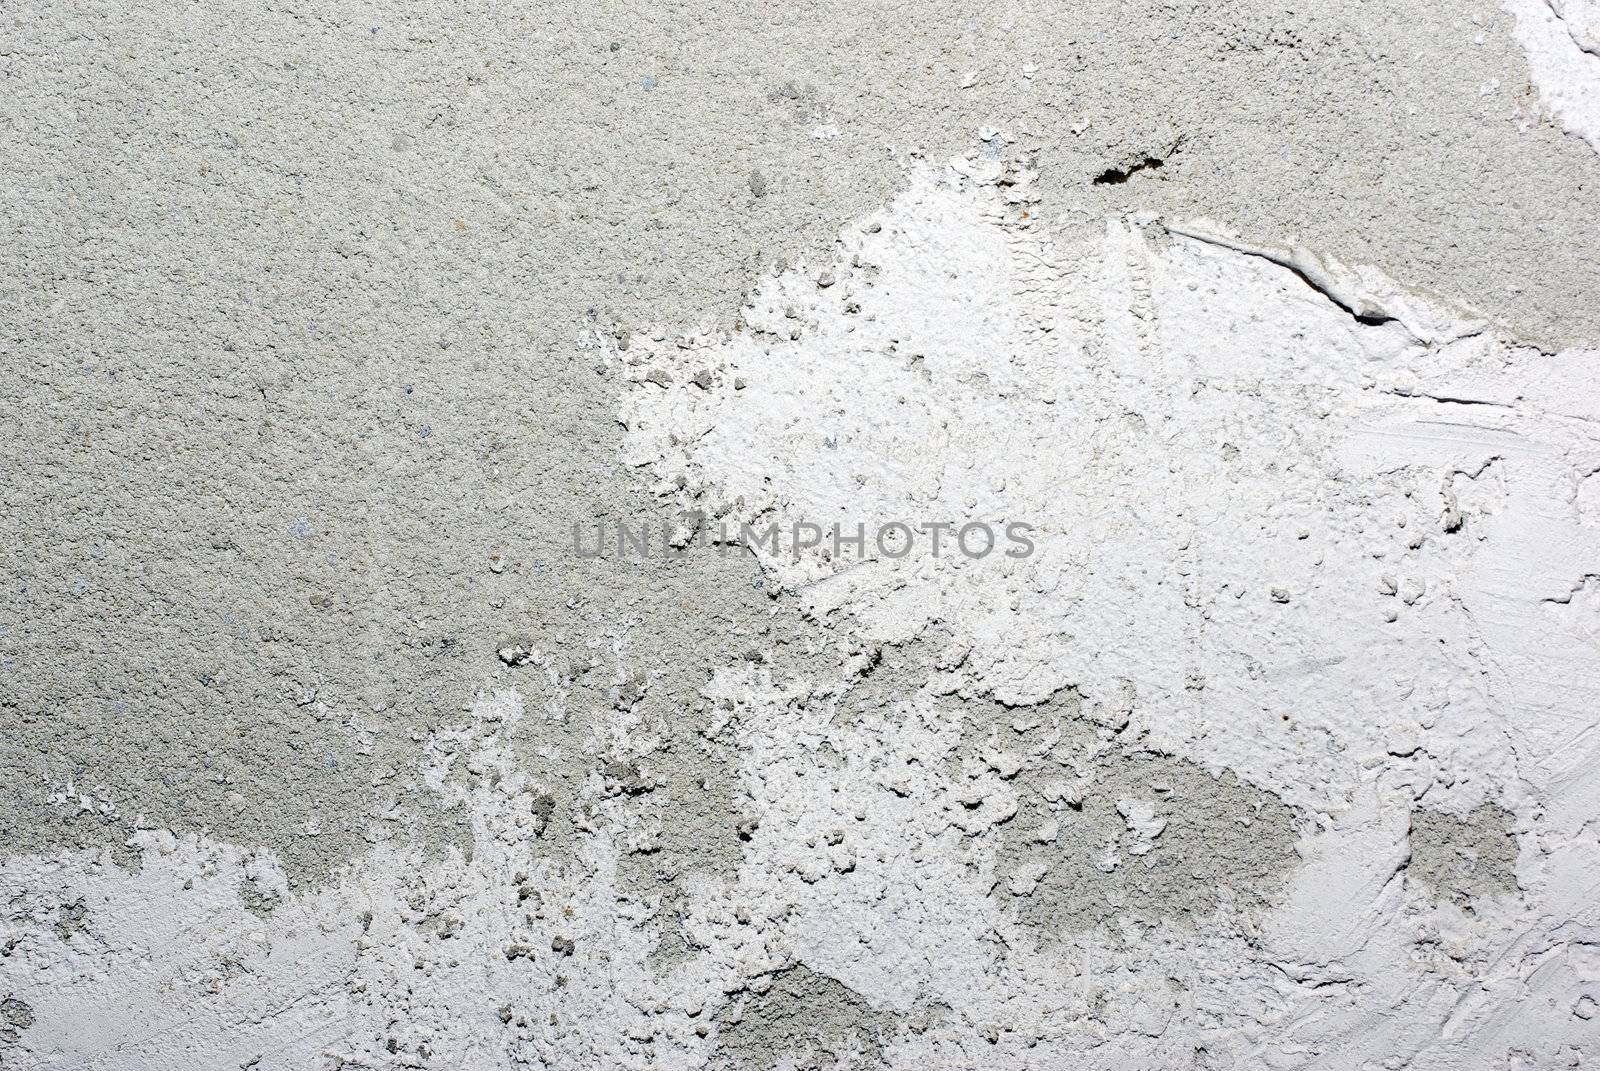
{"points": [[1314, 590], [862, 930], [504, 955], [1294, 521], [1562, 39]]}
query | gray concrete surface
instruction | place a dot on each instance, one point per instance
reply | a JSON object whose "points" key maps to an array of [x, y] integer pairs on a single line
{"points": [[297, 423]]}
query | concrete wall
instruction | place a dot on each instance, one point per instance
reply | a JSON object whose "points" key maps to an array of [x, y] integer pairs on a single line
{"points": [[459, 614]]}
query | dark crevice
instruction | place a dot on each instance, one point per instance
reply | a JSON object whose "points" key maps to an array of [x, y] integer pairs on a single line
{"points": [[1445, 399], [1116, 176], [1287, 261], [1368, 319]]}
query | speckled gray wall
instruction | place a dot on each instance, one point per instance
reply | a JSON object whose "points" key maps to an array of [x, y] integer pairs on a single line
{"points": [[322, 328]]}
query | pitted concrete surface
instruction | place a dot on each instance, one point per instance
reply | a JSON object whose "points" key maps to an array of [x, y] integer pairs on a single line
{"points": [[325, 744]]}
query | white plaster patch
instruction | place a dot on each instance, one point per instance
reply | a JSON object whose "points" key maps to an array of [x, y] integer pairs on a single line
{"points": [[1562, 40], [1267, 527], [1292, 518]]}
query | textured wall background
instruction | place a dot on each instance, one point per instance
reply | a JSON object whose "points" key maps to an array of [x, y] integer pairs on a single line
{"points": [[323, 328]]}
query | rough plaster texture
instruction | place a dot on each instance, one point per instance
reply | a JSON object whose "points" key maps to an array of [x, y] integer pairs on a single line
{"points": [[323, 326]]}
